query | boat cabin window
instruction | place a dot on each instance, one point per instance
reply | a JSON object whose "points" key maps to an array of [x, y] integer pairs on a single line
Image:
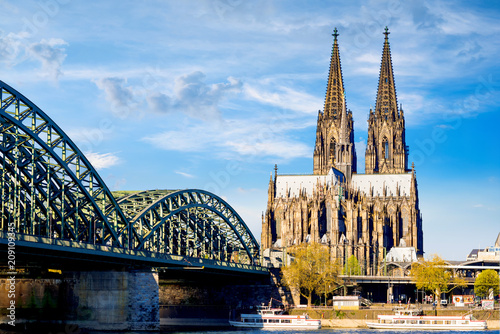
{"points": [[285, 321], [274, 321]]}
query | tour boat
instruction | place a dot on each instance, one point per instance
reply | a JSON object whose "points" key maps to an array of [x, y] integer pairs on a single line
{"points": [[267, 317], [414, 319]]}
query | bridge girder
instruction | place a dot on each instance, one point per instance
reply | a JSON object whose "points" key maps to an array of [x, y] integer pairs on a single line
{"points": [[50, 190], [189, 222]]}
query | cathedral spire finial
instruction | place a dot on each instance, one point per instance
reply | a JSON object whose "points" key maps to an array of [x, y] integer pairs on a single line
{"points": [[386, 33], [335, 34]]}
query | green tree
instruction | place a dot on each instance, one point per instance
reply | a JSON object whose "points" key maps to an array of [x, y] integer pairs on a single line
{"points": [[352, 267], [311, 271], [433, 276], [486, 280]]}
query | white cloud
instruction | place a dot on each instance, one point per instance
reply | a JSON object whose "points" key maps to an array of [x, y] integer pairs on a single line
{"points": [[195, 98], [10, 47], [244, 138], [191, 96], [370, 58], [102, 160], [283, 97], [190, 176], [51, 54], [120, 96]]}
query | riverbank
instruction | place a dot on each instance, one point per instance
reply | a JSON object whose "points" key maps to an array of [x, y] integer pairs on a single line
{"points": [[359, 323], [373, 312], [331, 318], [195, 318]]}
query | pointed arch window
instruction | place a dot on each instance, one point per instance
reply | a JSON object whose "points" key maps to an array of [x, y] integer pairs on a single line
{"points": [[385, 149], [332, 151]]}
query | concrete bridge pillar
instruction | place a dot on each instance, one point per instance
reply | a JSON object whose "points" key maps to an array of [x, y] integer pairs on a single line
{"points": [[117, 300], [95, 300]]}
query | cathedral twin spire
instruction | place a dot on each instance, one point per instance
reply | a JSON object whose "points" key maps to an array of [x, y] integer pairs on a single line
{"points": [[386, 150], [334, 133], [335, 97]]}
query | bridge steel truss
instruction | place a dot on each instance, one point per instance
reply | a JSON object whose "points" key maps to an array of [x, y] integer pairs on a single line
{"points": [[49, 190], [189, 222]]}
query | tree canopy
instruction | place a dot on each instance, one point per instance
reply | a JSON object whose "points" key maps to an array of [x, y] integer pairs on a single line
{"points": [[352, 267], [432, 276], [486, 280], [311, 271]]}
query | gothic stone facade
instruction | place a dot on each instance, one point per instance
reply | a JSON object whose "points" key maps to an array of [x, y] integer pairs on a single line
{"points": [[354, 214]]}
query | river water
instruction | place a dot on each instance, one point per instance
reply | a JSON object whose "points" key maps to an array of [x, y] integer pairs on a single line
{"points": [[322, 331], [329, 330], [260, 331]]}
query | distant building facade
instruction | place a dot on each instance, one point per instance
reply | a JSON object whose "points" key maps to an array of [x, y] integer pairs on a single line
{"points": [[354, 214], [489, 254]]}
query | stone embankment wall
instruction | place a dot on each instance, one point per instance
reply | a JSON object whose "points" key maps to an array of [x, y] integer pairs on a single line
{"points": [[101, 300]]}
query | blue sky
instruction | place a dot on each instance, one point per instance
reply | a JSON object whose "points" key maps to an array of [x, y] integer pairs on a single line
{"points": [[211, 94]]}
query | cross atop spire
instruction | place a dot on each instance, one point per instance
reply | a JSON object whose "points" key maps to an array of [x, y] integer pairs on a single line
{"points": [[335, 34], [386, 32]]}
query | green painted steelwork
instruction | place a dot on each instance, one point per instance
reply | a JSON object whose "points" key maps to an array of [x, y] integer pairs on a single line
{"points": [[50, 192]]}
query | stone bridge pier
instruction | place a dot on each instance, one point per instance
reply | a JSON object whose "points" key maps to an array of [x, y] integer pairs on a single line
{"points": [[95, 300]]}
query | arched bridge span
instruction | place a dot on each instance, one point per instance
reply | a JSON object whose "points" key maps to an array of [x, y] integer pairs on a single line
{"points": [[51, 194]]}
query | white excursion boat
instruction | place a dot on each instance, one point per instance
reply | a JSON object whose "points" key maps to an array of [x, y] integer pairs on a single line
{"points": [[414, 319], [267, 317]]}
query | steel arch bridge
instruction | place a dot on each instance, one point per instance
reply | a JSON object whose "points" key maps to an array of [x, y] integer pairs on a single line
{"points": [[51, 194]]}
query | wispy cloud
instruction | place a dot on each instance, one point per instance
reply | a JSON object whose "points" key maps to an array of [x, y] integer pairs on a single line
{"points": [[102, 160], [241, 138], [51, 54], [11, 46], [119, 95], [283, 96], [193, 96], [190, 176]]}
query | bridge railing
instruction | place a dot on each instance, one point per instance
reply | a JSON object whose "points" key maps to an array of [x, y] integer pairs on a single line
{"points": [[161, 259]]}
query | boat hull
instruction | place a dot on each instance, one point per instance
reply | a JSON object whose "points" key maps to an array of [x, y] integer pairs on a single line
{"points": [[469, 327], [310, 325]]}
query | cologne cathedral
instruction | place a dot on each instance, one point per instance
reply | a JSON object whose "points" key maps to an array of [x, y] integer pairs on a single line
{"points": [[364, 215]]}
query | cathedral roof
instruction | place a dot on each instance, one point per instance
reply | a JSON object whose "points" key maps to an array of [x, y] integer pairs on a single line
{"points": [[294, 185], [402, 254], [374, 184]]}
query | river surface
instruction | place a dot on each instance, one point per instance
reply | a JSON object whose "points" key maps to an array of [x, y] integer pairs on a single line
{"points": [[261, 331], [322, 331]]}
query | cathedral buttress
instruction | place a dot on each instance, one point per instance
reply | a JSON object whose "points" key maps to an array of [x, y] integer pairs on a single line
{"points": [[386, 150]]}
